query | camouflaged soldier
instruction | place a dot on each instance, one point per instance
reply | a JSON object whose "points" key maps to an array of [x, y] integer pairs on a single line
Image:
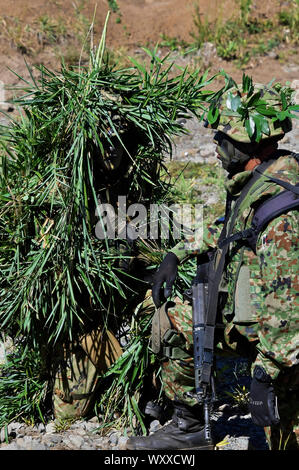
{"points": [[260, 284]]}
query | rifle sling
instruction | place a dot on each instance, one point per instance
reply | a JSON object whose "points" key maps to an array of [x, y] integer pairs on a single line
{"points": [[215, 279]]}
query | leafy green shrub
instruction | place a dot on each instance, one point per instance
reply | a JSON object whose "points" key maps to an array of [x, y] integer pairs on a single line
{"points": [[113, 6]]}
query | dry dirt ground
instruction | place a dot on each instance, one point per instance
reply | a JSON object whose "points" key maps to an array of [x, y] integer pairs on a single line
{"points": [[40, 31]]}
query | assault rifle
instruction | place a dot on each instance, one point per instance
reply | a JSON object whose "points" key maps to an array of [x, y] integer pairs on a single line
{"points": [[204, 391]]}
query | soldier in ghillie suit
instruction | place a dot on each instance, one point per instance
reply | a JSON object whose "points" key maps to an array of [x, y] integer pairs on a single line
{"points": [[257, 295], [88, 135]]}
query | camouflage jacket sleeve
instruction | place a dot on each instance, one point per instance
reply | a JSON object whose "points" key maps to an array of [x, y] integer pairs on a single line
{"points": [[278, 322], [201, 240]]}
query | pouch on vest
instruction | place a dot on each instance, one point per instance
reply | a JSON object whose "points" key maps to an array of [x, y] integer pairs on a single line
{"points": [[165, 339], [244, 312], [160, 324]]}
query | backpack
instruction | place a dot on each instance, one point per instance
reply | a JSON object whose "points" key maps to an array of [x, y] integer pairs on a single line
{"points": [[273, 207], [213, 270]]}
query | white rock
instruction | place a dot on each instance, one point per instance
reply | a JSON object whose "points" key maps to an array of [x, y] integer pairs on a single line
{"points": [[207, 52], [102, 443], [2, 435], [87, 446], [113, 438], [14, 426], [91, 426], [76, 441], [3, 103], [80, 432], [122, 442], [41, 427], [224, 407], [295, 85], [51, 428], [25, 442], [94, 419], [6, 343], [11, 446], [208, 151], [51, 439]]}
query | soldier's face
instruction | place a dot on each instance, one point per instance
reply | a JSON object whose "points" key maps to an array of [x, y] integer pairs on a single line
{"points": [[232, 157], [224, 149]]}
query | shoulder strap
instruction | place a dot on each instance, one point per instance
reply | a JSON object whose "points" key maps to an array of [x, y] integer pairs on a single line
{"points": [[273, 207], [215, 279], [214, 282], [282, 183]]}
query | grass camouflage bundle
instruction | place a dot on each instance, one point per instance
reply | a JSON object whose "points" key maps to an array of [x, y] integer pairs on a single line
{"points": [[84, 135], [22, 392], [57, 163]]}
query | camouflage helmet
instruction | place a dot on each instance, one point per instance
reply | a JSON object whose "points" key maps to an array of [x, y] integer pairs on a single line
{"points": [[252, 115]]}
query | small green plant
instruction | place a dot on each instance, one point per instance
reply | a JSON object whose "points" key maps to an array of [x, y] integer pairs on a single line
{"points": [[63, 424], [51, 31], [172, 43], [183, 190], [240, 395], [228, 51], [20, 35], [283, 441], [265, 46], [31, 38], [203, 29], [290, 18], [113, 6], [245, 7], [186, 186]]}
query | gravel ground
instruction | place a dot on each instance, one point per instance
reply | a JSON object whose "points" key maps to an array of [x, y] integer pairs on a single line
{"points": [[232, 424], [236, 428]]}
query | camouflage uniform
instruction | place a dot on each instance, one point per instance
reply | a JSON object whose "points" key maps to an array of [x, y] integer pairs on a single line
{"points": [[273, 323], [258, 292]]}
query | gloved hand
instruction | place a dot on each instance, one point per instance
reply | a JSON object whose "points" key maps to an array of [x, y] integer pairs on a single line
{"points": [[262, 399], [166, 273]]}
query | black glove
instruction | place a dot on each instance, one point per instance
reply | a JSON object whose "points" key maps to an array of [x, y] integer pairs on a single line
{"points": [[262, 399], [166, 273]]}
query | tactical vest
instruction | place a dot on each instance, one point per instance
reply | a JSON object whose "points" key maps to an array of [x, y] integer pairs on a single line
{"points": [[215, 269], [267, 211]]}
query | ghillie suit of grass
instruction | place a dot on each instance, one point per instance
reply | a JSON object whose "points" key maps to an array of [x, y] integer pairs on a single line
{"points": [[22, 390], [85, 135]]}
